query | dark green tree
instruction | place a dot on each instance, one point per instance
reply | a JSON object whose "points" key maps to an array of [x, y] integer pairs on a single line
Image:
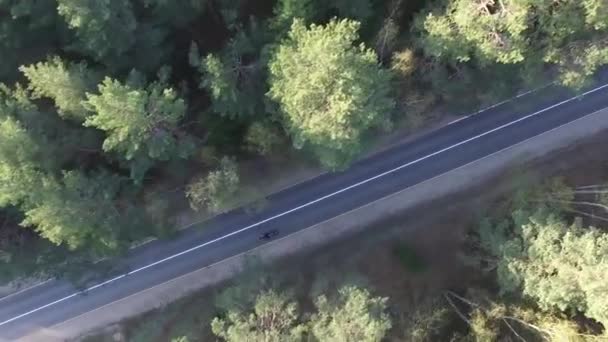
{"points": [[175, 13], [236, 77], [105, 28], [28, 31]]}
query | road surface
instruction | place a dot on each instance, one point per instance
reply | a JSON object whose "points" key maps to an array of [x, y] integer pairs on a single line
{"points": [[305, 204]]}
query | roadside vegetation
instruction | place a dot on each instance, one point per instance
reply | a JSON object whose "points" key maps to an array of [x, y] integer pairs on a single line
{"points": [[528, 266], [114, 115]]}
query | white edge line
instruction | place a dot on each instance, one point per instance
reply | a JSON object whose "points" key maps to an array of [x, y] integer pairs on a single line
{"points": [[303, 205], [502, 102], [327, 220]]}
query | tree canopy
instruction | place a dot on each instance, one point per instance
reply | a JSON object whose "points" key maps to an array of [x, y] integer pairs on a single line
{"points": [[560, 266], [330, 91], [141, 122], [65, 83], [355, 316], [274, 319], [568, 34], [105, 29]]}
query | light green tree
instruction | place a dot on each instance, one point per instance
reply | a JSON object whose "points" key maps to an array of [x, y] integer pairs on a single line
{"points": [[32, 143], [330, 92], [141, 122], [217, 190], [559, 266], [63, 82], [274, 319], [491, 320], [77, 211], [355, 316], [527, 33], [105, 28], [19, 163], [579, 60]]}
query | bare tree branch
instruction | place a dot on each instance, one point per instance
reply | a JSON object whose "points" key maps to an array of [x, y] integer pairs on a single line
{"points": [[460, 314], [513, 330]]}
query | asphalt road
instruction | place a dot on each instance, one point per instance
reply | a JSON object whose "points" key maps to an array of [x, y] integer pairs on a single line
{"points": [[305, 204]]}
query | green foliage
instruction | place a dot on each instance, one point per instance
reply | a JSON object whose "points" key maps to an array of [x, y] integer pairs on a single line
{"points": [[78, 210], [105, 28], [274, 319], [18, 163], [354, 316], [502, 321], [180, 339], [177, 13], [285, 11], [426, 322], [27, 33], [141, 123], [235, 77], [216, 191], [559, 266], [579, 61], [329, 91], [65, 83], [263, 138], [488, 33]]}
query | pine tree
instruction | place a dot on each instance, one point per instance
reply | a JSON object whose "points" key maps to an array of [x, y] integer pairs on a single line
{"points": [[141, 122], [329, 91], [105, 28], [65, 83]]}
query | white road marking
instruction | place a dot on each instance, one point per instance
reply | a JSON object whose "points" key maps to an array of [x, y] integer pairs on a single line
{"points": [[502, 102], [304, 205]]}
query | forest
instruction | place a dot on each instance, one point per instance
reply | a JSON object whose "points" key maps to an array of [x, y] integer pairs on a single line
{"points": [[102, 100]]}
